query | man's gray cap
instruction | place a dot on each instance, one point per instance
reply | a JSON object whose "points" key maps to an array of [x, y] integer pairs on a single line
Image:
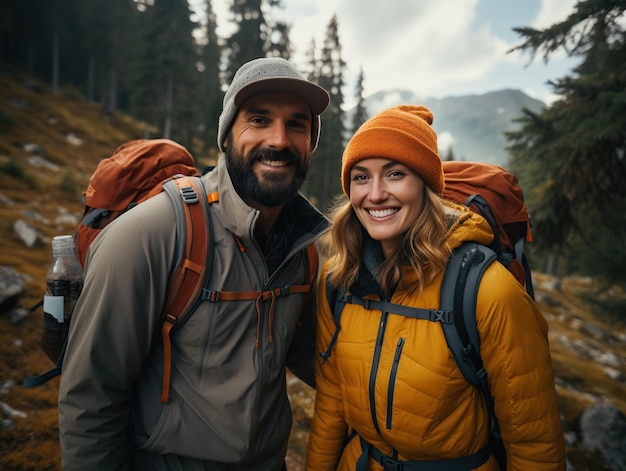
{"points": [[267, 75]]}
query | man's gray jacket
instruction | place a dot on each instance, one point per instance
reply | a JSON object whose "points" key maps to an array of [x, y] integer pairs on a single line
{"points": [[229, 408]]}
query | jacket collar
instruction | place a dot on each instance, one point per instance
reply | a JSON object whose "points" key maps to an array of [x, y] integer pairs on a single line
{"points": [[372, 257], [239, 218]]}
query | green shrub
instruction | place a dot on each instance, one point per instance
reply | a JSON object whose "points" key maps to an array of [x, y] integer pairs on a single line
{"points": [[14, 168], [69, 184], [6, 119]]}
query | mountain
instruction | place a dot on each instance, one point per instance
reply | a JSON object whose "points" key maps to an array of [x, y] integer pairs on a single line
{"points": [[473, 126]]}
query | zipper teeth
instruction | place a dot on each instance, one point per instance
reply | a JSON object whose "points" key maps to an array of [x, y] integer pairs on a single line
{"points": [[374, 371], [392, 380]]}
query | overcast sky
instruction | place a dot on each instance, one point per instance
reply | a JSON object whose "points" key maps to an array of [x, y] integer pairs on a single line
{"points": [[432, 48]]}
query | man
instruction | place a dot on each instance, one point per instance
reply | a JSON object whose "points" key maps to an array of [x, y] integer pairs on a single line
{"points": [[228, 408]]}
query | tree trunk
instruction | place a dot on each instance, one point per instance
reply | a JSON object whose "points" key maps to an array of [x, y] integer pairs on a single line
{"points": [[167, 127], [551, 264], [55, 63]]}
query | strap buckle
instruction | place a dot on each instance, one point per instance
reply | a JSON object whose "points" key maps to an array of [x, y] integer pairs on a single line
{"points": [[389, 464], [189, 195], [210, 295], [437, 315]]}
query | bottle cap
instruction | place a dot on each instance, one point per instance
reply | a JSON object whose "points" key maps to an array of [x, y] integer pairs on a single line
{"points": [[63, 245]]}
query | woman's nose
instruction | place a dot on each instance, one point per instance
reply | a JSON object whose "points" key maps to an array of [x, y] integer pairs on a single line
{"points": [[378, 190]]}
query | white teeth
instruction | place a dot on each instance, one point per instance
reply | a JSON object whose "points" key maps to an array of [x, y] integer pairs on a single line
{"points": [[381, 213], [274, 163]]}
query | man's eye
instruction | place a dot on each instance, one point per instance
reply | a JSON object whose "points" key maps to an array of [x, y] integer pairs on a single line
{"points": [[298, 124]]}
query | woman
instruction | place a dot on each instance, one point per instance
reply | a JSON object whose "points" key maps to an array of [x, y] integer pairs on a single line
{"points": [[391, 241]]}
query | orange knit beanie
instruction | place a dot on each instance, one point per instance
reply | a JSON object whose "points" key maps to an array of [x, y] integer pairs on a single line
{"points": [[402, 133]]}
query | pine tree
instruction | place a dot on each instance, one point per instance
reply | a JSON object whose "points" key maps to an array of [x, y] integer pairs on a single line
{"points": [[257, 35], [449, 157], [250, 40], [325, 182], [210, 94], [165, 71], [279, 44], [572, 154], [360, 111]]}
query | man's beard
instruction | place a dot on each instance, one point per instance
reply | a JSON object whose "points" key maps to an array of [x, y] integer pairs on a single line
{"points": [[273, 190]]}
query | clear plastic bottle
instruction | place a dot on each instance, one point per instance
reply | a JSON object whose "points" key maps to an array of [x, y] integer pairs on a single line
{"points": [[64, 282]]}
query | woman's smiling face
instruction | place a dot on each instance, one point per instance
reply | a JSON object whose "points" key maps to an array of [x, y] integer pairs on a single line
{"points": [[387, 198]]}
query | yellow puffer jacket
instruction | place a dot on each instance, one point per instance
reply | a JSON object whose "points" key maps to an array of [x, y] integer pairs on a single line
{"points": [[392, 381]]}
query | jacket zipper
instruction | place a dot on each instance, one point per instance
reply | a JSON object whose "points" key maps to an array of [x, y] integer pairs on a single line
{"points": [[374, 370], [392, 380]]}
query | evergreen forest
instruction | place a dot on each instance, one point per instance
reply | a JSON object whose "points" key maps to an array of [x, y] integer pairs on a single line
{"points": [[164, 64]]}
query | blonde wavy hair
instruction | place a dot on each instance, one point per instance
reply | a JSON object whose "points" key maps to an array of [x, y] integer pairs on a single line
{"points": [[424, 247]]}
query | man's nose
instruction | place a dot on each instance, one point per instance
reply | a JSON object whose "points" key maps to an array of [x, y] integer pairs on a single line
{"points": [[277, 138]]}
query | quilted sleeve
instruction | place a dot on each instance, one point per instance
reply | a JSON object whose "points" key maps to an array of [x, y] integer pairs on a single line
{"points": [[516, 355]]}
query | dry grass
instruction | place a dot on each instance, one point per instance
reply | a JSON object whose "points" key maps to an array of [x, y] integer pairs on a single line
{"points": [[31, 114]]}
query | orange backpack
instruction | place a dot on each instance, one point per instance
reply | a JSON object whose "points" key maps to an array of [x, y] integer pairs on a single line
{"points": [[495, 194], [137, 171]]}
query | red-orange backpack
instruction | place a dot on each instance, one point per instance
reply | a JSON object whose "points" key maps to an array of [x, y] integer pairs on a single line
{"points": [[495, 194], [137, 171]]}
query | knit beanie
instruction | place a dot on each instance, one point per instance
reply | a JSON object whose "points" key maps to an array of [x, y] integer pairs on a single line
{"points": [[270, 74], [402, 133]]}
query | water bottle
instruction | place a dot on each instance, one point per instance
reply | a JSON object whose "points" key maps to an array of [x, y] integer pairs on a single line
{"points": [[64, 282]]}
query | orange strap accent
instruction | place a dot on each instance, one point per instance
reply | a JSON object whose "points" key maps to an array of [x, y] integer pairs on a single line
{"points": [[213, 197], [186, 282], [242, 249], [529, 234], [313, 259], [167, 357]]}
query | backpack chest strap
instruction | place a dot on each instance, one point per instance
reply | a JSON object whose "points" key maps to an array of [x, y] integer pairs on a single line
{"points": [[215, 296], [432, 315]]}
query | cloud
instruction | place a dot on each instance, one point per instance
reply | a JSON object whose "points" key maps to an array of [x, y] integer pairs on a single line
{"points": [[552, 11], [436, 49]]}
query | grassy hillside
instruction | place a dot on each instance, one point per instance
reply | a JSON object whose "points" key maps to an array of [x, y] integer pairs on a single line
{"points": [[72, 136]]}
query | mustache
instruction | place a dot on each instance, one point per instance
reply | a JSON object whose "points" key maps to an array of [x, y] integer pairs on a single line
{"points": [[284, 155]]}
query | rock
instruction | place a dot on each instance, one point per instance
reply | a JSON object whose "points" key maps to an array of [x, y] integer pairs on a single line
{"points": [[603, 428], [6, 200], [33, 148], [66, 219], [11, 413], [614, 374], [18, 314], [40, 162], [12, 287], [27, 233], [74, 140]]}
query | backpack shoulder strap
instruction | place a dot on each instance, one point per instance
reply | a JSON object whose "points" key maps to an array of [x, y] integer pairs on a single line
{"points": [[459, 292], [312, 258], [194, 235], [336, 302], [313, 261]]}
